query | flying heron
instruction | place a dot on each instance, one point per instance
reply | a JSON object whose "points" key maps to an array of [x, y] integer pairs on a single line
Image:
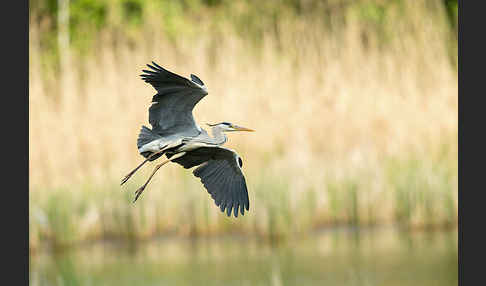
{"points": [[176, 135]]}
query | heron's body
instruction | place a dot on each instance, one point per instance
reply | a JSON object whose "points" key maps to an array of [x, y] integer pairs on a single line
{"points": [[175, 134], [203, 139]]}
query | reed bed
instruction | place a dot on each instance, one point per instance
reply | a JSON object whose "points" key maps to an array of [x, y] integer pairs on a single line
{"points": [[351, 129]]}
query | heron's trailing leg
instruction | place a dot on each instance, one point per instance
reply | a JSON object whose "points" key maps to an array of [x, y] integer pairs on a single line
{"points": [[132, 172], [140, 190], [138, 167]]}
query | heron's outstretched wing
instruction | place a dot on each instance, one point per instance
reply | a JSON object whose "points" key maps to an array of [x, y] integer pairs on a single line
{"points": [[171, 110], [220, 172]]}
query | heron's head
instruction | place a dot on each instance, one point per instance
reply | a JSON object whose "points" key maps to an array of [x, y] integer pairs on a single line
{"points": [[227, 127]]}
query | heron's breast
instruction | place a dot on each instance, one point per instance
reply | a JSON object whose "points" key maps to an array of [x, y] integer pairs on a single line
{"points": [[190, 146]]}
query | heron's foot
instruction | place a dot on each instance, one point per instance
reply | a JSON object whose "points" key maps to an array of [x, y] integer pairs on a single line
{"points": [[138, 192], [125, 179]]}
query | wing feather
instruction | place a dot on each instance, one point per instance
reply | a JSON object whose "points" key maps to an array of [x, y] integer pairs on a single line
{"points": [[171, 111], [221, 174], [216, 186], [237, 200]]}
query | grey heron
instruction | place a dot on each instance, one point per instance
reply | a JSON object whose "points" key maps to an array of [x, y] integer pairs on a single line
{"points": [[176, 135]]}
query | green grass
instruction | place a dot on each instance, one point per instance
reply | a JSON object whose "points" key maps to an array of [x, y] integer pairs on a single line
{"points": [[425, 191], [422, 196]]}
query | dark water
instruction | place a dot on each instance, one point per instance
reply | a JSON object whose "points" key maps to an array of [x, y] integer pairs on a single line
{"points": [[383, 256]]}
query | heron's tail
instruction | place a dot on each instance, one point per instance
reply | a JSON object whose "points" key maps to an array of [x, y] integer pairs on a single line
{"points": [[146, 136]]}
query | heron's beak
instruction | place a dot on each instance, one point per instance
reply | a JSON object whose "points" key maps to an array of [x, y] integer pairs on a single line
{"points": [[239, 128]]}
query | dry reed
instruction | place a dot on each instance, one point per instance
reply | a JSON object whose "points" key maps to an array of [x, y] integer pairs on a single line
{"points": [[347, 131]]}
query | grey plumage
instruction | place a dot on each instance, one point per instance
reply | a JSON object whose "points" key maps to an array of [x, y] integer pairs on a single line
{"points": [[171, 111], [146, 136], [175, 134], [222, 177], [221, 174]]}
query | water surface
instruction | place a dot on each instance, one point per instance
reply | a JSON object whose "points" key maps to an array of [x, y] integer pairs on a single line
{"points": [[341, 256]]}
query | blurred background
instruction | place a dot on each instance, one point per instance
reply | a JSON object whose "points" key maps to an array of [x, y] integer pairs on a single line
{"points": [[352, 173]]}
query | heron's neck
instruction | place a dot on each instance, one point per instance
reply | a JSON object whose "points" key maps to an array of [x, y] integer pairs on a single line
{"points": [[218, 135]]}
